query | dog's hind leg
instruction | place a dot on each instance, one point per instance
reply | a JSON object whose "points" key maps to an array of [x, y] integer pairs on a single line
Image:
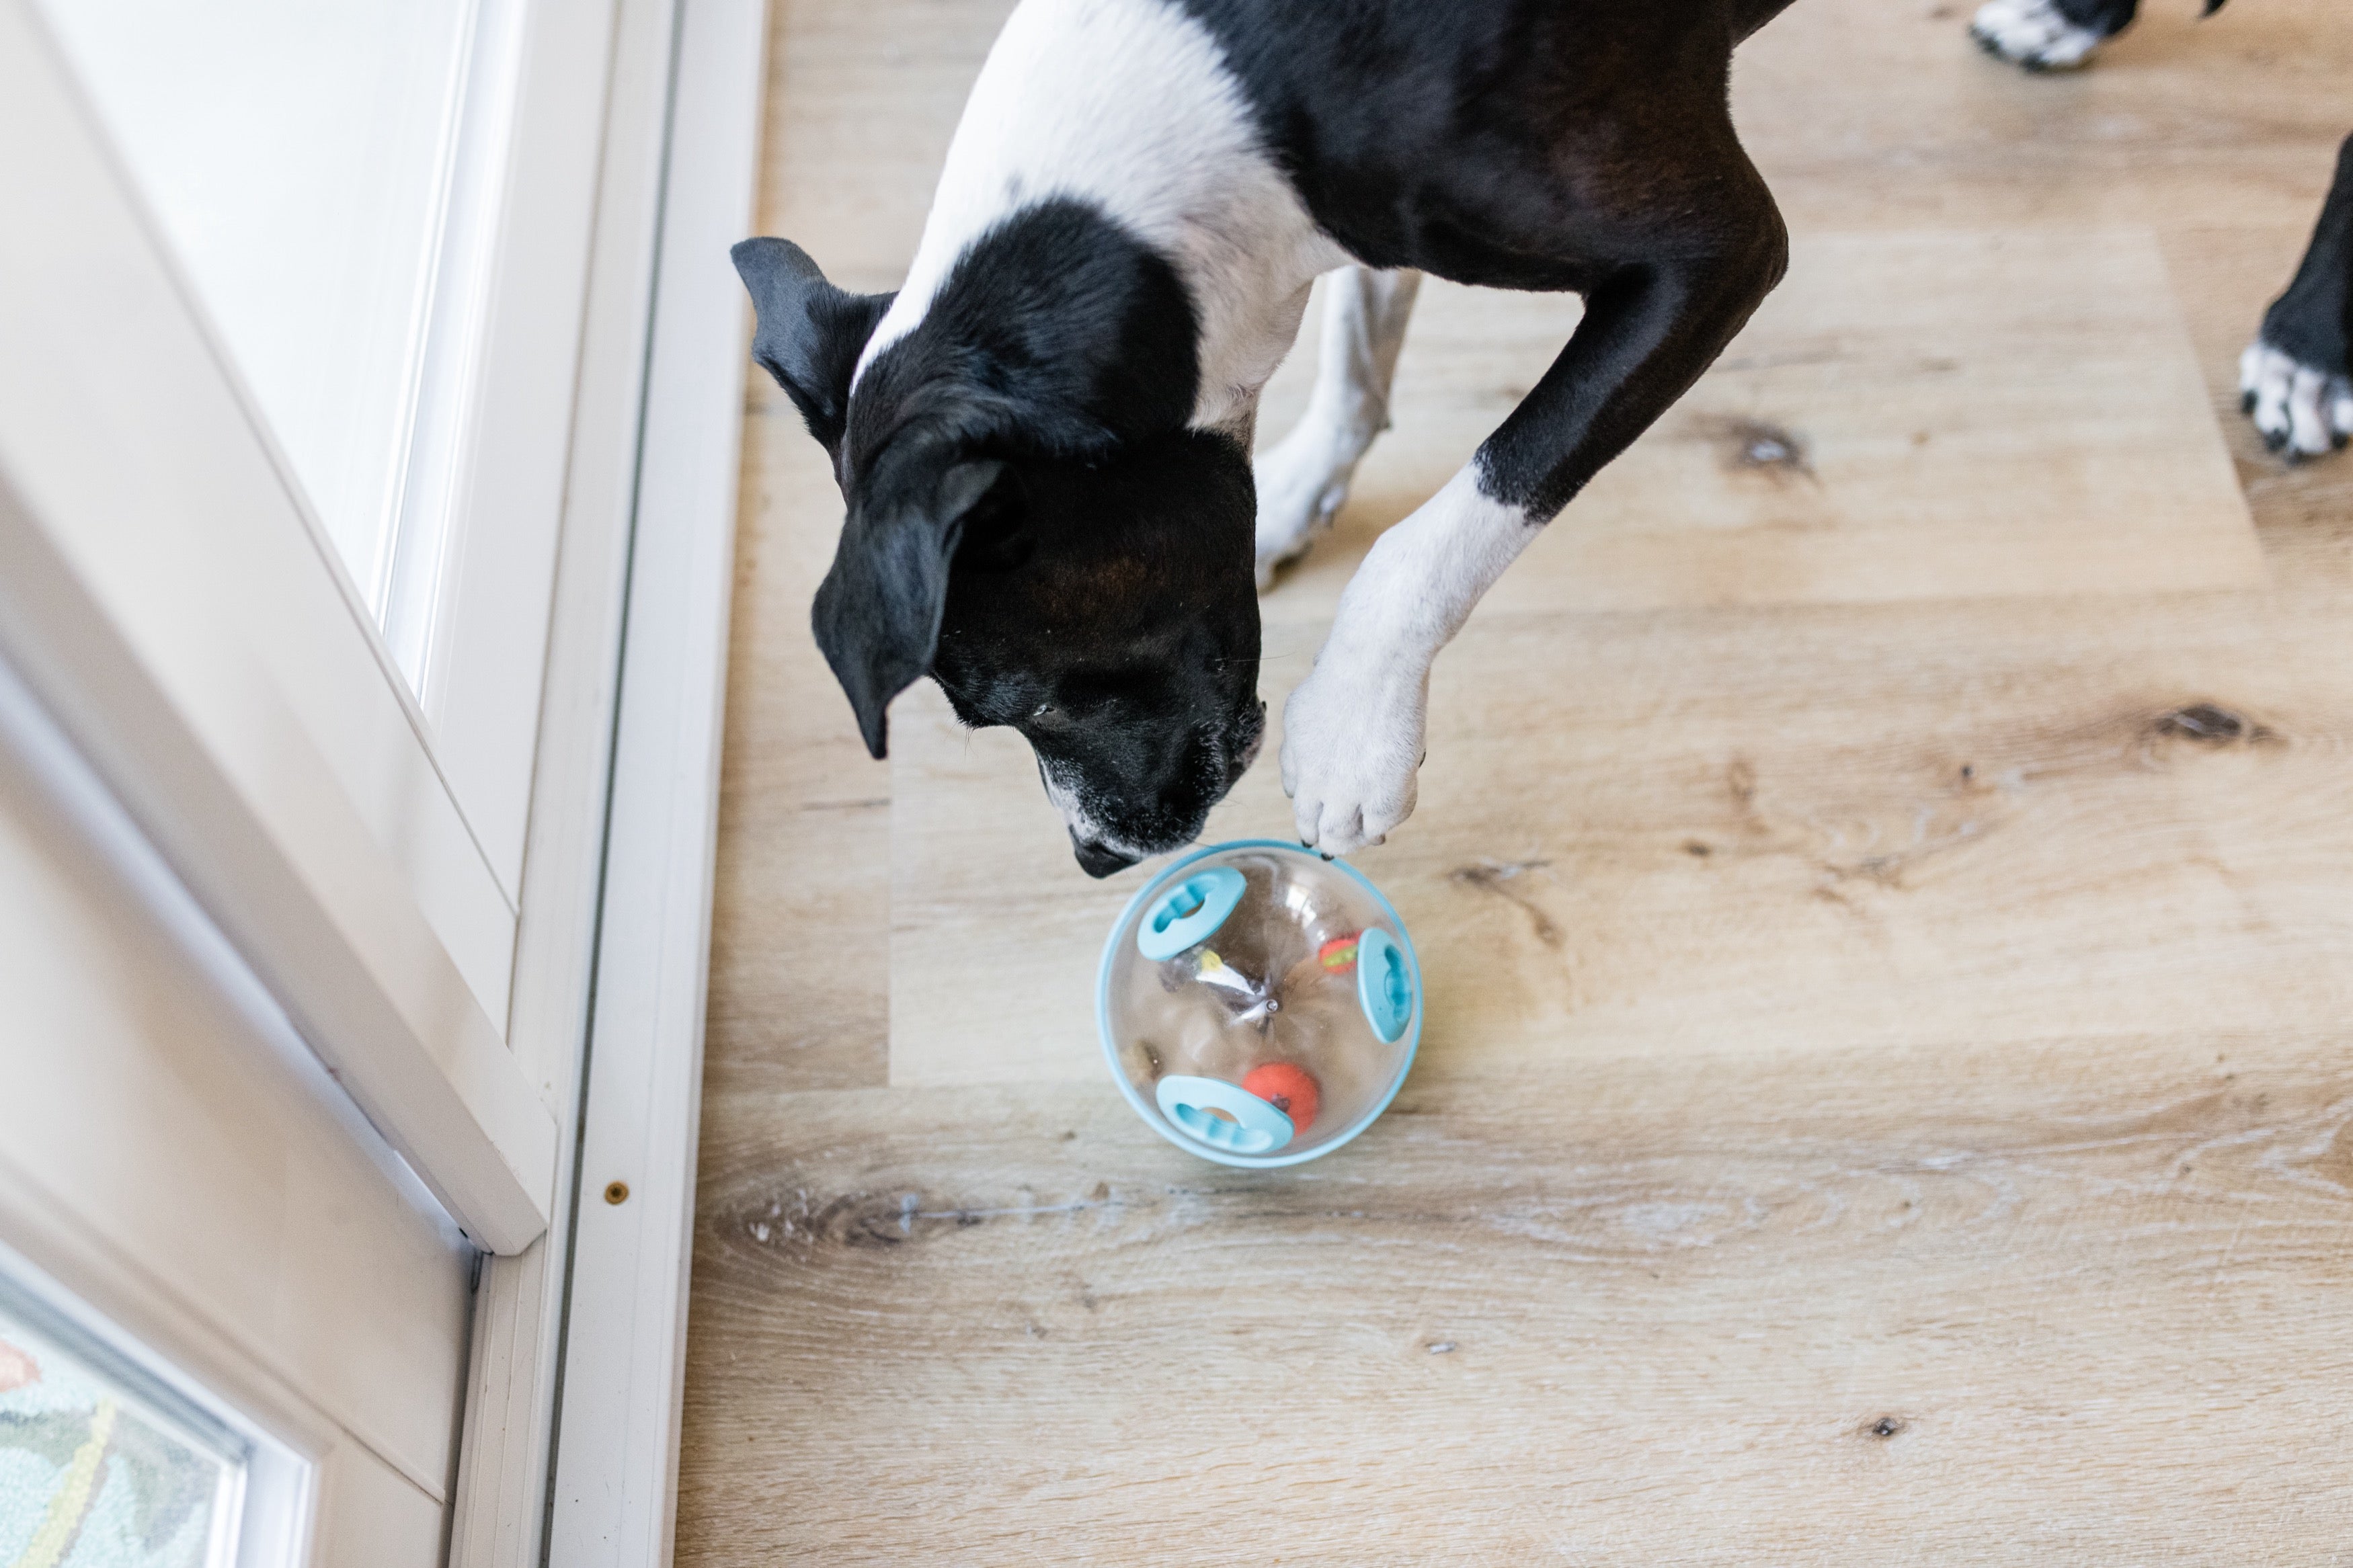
{"points": [[1304, 478], [1351, 742], [2295, 380], [2051, 35]]}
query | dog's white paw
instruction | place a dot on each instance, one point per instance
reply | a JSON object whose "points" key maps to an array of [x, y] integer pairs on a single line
{"points": [[2033, 34], [1352, 749], [1302, 485], [2302, 410]]}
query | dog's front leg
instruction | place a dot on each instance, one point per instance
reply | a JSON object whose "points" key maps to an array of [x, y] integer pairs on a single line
{"points": [[1352, 732], [2295, 380], [1351, 742], [1304, 478]]}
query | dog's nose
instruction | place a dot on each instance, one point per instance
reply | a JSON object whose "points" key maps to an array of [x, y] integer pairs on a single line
{"points": [[1096, 860]]}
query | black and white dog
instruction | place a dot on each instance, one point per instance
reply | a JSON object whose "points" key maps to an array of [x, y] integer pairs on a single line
{"points": [[1044, 435]]}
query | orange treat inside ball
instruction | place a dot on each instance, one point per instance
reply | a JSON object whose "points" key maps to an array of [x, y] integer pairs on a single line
{"points": [[1287, 1088]]}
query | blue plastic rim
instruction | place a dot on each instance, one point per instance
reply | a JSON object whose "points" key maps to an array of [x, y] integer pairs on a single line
{"points": [[1189, 912], [1250, 1125], [1410, 1032], [1384, 989]]}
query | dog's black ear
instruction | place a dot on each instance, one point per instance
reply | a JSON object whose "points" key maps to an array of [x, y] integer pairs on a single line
{"points": [[810, 332], [877, 615]]}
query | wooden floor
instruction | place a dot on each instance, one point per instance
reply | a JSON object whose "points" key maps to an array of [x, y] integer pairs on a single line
{"points": [[1888, 917]]}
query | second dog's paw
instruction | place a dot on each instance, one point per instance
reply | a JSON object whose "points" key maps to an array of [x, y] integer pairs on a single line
{"points": [[2033, 34], [1300, 491], [1352, 749], [2302, 410]]}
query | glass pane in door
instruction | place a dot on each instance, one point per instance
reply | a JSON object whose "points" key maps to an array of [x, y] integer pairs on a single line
{"points": [[299, 157], [93, 1475]]}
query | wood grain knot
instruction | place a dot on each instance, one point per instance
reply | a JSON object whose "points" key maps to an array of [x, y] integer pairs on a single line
{"points": [[2209, 724], [1759, 446], [1497, 876]]}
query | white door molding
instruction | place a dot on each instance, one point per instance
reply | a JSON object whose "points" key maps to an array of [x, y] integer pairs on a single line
{"points": [[617, 1455], [507, 1442], [654, 449]]}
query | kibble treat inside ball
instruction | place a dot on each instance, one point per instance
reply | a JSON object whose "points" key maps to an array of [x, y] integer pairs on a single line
{"points": [[1260, 1004]]}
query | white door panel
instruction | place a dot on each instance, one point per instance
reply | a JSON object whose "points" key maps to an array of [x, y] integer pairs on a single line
{"points": [[318, 471], [372, 1517], [222, 772], [319, 278], [383, 210], [366, 852], [121, 427]]}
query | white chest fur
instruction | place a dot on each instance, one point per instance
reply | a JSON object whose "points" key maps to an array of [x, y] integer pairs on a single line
{"points": [[1128, 105]]}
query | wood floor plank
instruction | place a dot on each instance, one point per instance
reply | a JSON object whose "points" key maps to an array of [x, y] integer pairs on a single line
{"points": [[1866, 114], [2078, 1301], [1792, 830], [799, 964], [864, 95]]}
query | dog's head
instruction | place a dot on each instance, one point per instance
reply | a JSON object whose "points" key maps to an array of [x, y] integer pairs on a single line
{"points": [[1094, 594]]}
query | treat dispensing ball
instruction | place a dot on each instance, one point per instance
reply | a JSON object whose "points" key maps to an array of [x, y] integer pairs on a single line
{"points": [[1260, 1004]]}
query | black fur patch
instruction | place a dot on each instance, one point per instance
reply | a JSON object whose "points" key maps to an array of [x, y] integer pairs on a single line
{"points": [[2312, 321], [2109, 18], [877, 614], [1058, 332], [1532, 145], [1508, 143], [810, 333], [1107, 611]]}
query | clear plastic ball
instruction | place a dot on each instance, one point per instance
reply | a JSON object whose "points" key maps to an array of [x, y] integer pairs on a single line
{"points": [[1260, 958]]}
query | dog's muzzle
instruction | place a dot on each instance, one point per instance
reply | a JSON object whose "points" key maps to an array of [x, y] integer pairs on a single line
{"points": [[1096, 859], [1243, 745]]}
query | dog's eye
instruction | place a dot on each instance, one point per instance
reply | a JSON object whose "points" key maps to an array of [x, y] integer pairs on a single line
{"points": [[1044, 714]]}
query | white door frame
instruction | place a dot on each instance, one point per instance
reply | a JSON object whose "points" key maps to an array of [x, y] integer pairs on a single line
{"points": [[655, 458]]}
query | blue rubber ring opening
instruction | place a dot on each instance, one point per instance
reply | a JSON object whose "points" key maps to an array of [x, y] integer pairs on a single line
{"points": [[1384, 985], [1250, 1126], [1191, 912]]}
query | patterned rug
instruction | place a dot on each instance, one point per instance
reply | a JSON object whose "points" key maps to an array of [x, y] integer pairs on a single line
{"points": [[90, 1477]]}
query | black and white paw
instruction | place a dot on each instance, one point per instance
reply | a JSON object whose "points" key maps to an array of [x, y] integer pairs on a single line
{"points": [[2301, 410], [2034, 34]]}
